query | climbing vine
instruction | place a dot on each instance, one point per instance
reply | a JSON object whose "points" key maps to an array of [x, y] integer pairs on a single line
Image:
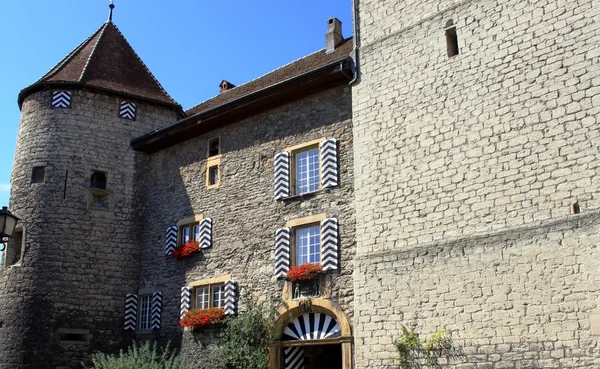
{"points": [[416, 354]]}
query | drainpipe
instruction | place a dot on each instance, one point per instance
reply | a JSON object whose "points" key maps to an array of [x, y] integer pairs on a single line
{"points": [[355, 30]]}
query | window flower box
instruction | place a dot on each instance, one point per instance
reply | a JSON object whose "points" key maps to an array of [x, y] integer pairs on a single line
{"points": [[202, 318], [304, 272], [186, 250]]}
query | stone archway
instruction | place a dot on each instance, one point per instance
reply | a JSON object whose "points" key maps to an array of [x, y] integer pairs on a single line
{"points": [[307, 326]]}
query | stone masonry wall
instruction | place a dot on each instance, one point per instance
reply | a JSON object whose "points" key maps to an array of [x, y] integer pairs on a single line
{"points": [[78, 262], [243, 210], [451, 153]]}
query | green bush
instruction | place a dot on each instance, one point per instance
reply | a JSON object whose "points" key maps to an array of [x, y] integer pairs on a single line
{"points": [[137, 356], [414, 354]]}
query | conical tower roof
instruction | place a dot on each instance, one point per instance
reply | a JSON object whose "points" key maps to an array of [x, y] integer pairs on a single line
{"points": [[106, 62]]}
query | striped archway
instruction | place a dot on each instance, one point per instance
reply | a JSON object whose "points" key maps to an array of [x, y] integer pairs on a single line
{"points": [[312, 326]]}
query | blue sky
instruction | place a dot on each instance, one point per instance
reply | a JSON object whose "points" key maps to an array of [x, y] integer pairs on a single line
{"points": [[189, 45]]}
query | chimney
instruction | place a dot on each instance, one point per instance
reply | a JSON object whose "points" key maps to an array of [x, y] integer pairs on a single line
{"points": [[226, 86], [334, 34]]}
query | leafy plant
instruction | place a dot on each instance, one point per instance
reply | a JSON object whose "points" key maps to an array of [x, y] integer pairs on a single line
{"points": [[143, 356], [202, 318], [414, 354]]}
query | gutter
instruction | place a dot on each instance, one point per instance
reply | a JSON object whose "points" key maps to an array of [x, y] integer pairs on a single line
{"points": [[337, 66], [356, 41]]}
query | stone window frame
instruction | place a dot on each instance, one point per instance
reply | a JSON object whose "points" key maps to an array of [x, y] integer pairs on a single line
{"points": [[216, 138], [11, 247], [298, 149], [210, 283], [189, 223], [451, 37], [301, 223], [212, 162]]}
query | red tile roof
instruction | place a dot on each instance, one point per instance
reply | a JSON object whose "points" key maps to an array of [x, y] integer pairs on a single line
{"points": [[291, 70], [105, 61]]}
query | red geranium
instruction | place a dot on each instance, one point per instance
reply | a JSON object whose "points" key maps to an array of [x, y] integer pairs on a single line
{"points": [[185, 250], [202, 318], [304, 272]]}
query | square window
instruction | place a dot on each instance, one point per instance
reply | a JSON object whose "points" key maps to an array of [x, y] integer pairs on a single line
{"points": [[308, 245], [209, 296], [214, 147], [38, 175], [306, 171], [189, 232], [98, 180], [145, 312]]}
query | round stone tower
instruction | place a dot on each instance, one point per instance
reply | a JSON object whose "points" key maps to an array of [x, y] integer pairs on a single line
{"points": [[75, 255]]}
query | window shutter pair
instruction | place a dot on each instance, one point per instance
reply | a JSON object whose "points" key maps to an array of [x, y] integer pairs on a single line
{"points": [[329, 247], [131, 311], [231, 298], [205, 239], [329, 169]]}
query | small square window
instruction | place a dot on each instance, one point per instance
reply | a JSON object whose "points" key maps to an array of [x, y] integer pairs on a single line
{"points": [[307, 248], [306, 171], [38, 175], [98, 180], [209, 296], [145, 312], [214, 147]]}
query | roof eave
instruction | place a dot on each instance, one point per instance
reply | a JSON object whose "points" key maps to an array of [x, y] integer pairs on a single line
{"points": [[330, 75]]}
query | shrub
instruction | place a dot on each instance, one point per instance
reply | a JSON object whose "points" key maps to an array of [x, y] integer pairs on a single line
{"points": [[414, 354], [137, 356]]}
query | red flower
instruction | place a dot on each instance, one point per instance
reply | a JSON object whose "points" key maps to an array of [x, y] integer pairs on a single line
{"points": [[304, 272], [185, 250], [202, 318]]}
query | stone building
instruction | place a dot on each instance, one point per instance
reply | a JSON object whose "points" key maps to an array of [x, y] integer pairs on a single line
{"points": [[441, 167]]}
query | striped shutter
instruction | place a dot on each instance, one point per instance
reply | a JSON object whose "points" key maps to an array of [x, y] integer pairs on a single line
{"points": [[329, 243], [131, 308], [128, 110], [170, 240], [186, 299], [293, 357], [282, 252], [231, 297], [329, 165], [282, 175], [156, 309], [61, 99], [206, 233]]}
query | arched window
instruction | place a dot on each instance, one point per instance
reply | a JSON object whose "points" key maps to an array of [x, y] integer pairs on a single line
{"points": [[98, 180], [451, 38]]}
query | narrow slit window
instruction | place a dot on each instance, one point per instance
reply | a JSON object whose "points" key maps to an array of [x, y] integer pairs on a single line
{"points": [[213, 175], [451, 39], [214, 147]]}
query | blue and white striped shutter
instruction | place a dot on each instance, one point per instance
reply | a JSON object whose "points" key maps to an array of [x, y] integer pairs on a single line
{"points": [[171, 240], [156, 309], [293, 357], [186, 299], [231, 297], [329, 164], [329, 243], [206, 233], [282, 252], [282, 175], [131, 309], [128, 110], [61, 99]]}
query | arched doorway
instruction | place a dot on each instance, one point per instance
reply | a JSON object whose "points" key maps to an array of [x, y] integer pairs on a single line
{"points": [[313, 336]]}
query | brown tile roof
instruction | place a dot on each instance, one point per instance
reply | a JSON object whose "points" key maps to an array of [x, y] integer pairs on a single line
{"points": [[294, 69], [105, 61]]}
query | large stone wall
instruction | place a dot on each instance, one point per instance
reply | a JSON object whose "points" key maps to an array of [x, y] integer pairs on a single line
{"points": [[501, 138], [78, 262], [243, 210]]}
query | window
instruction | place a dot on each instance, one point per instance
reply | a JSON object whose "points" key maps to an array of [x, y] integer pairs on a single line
{"points": [[145, 312], [212, 295], [14, 248], [189, 232], [38, 174], [98, 180], [308, 245], [213, 172], [214, 147], [451, 39], [306, 170]]}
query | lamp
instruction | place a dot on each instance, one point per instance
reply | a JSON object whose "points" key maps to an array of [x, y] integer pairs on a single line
{"points": [[7, 226]]}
